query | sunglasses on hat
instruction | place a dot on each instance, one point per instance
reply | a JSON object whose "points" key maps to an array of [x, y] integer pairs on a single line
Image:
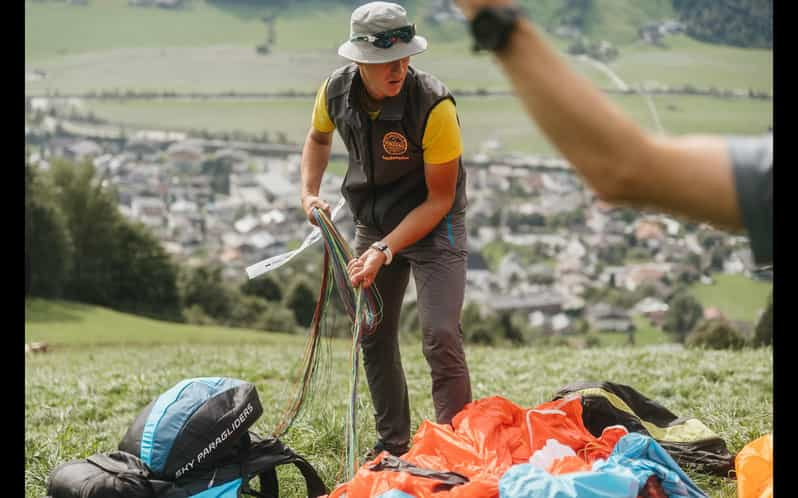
{"points": [[386, 39]]}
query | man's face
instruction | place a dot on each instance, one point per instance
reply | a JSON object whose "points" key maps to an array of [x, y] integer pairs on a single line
{"points": [[386, 79]]}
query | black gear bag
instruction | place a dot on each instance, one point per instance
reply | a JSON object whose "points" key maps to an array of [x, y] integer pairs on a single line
{"points": [[192, 441]]}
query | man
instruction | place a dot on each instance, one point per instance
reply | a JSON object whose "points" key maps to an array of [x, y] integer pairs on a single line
{"points": [[405, 186], [723, 180]]}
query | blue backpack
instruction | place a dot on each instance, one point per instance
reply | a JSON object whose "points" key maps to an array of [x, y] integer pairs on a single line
{"points": [[191, 441]]}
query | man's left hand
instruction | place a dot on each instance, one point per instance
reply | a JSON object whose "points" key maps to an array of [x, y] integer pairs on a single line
{"points": [[363, 270]]}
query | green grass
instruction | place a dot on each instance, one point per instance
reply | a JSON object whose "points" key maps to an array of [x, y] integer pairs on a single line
{"points": [[482, 118], [737, 297], [73, 325], [618, 20], [645, 335], [80, 398], [108, 45], [57, 29], [337, 167], [703, 65]]}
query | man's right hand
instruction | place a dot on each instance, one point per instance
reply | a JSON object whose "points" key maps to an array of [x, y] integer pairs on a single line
{"points": [[313, 201]]}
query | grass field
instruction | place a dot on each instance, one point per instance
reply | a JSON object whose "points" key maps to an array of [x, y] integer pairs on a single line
{"points": [[645, 335], [63, 325], [482, 118], [104, 367], [108, 45], [737, 297]]}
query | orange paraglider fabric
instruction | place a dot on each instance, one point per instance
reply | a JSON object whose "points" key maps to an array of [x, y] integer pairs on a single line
{"points": [[754, 467], [485, 439]]}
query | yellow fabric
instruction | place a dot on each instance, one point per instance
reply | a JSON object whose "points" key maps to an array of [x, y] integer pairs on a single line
{"points": [[685, 432], [754, 468], [441, 141], [321, 120]]}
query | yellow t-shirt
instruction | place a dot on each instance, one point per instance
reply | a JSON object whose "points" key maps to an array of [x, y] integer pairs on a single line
{"points": [[441, 142]]}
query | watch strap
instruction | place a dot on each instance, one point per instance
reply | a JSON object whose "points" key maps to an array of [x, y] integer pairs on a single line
{"points": [[383, 247], [491, 26]]}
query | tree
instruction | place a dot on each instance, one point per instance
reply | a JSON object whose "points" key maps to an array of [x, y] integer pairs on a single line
{"points": [[264, 287], [510, 330], [479, 330], [143, 274], [409, 321], [203, 287], [246, 311], [219, 172], [48, 246], [683, 314], [92, 217], [763, 335], [117, 263], [302, 301], [744, 23], [612, 254], [276, 319], [715, 334]]}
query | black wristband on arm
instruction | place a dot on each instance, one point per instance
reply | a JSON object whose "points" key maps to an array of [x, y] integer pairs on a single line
{"points": [[492, 26]]}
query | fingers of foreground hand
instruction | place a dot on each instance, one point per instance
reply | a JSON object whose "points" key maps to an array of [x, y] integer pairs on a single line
{"points": [[353, 264], [355, 277]]}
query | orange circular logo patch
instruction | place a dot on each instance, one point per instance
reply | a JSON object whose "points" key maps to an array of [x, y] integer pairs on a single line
{"points": [[394, 143]]}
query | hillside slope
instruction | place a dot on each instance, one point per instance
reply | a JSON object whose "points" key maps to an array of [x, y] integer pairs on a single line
{"points": [[71, 325]]}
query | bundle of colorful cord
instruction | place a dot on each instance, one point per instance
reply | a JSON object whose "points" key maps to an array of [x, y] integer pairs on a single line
{"points": [[369, 316], [364, 308]]}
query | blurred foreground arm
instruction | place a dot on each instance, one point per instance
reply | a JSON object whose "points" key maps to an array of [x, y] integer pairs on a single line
{"points": [[690, 176]]}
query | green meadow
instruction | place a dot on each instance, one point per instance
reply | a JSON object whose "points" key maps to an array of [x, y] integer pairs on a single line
{"points": [[103, 367], [482, 118], [736, 296], [205, 47]]}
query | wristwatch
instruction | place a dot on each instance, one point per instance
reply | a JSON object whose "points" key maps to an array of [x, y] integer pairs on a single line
{"points": [[491, 27], [383, 247]]}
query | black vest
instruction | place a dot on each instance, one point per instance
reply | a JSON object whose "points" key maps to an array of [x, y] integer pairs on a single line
{"points": [[385, 179]]}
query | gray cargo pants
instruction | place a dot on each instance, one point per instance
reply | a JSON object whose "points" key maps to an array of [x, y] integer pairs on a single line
{"points": [[439, 264]]}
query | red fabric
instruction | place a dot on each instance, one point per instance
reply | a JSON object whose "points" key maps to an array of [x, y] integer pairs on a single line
{"points": [[652, 489], [485, 439]]}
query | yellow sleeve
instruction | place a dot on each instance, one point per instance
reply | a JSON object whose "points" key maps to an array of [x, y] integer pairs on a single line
{"points": [[442, 141], [321, 120]]}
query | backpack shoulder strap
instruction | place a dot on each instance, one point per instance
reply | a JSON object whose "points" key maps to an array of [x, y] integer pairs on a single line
{"points": [[313, 482], [264, 455], [120, 463], [130, 466]]}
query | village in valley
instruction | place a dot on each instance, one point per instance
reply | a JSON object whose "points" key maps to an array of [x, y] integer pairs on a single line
{"points": [[540, 244]]}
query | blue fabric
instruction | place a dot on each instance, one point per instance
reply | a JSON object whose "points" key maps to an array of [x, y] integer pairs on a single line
{"points": [[170, 413], [528, 481], [449, 230], [395, 493], [634, 459], [227, 490], [643, 456]]}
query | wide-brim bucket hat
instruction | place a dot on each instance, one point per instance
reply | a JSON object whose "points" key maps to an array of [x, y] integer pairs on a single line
{"points": [[371, 19]]}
